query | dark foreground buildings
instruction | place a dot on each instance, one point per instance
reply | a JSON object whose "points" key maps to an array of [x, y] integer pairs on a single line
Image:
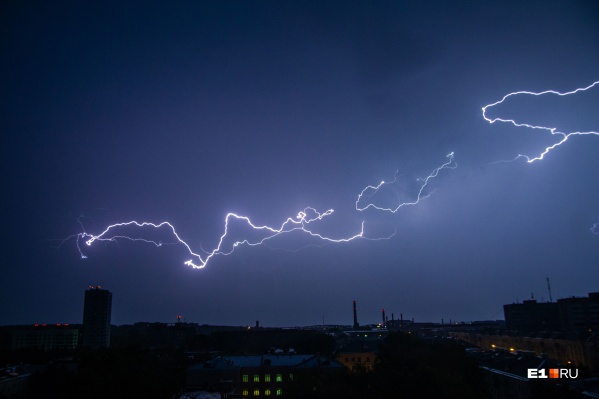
{"points": [[541, 336], [256, 375], [96, 318], [566, 330]]}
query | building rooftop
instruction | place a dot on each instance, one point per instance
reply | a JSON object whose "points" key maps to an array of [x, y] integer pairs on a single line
{"points": [[287, 360]]}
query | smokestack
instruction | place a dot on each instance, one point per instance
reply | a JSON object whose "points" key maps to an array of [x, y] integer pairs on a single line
{"points": [[383, 317], [356, 325]]}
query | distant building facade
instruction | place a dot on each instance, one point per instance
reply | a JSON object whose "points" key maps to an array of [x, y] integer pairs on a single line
{"points": [[46, 337], [96, 318], [531, 315], [575, 314], [359, 355], [580, 314]]}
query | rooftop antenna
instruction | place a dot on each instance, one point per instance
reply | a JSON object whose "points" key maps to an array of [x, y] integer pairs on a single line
{"points": [[549, 288]]}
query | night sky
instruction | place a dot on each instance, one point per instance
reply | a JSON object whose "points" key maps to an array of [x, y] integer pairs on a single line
{"points": [[120, 111]]}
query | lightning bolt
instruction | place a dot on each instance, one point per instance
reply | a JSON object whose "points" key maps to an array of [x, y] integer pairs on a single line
{"points": [[300, 223], [369, 192], [562, 136]]}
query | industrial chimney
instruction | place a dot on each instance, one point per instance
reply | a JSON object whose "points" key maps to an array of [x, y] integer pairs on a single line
{"points": [[356, 325]]}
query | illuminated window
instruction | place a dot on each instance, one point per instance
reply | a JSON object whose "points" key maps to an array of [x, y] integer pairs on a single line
{"points": [[245, 378], [291, 377], [256, 392], [279, 378], [267, 392], [256, 377], [279, 392], [266, 377], [245, 392]]}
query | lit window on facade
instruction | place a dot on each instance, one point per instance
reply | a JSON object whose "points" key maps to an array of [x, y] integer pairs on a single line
{"points": [[279, 392], [245, 378], [256, 392], [266, 377], [256, 377], [245, 392], [279, 378], [267, 392]]}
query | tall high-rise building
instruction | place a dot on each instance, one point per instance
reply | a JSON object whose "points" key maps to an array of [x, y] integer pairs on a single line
{"points": [[96, 318]]}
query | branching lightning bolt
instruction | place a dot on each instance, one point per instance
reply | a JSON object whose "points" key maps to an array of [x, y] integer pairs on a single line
{"points": [[302, 223], [370, 191], [563, 136], [298, 223]]}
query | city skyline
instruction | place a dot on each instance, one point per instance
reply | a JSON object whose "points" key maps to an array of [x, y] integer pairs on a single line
{"points": [[100, 307], [186, 114]]}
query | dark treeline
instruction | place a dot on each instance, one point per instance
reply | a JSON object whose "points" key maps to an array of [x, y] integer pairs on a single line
{"points": [[259, 342], [112, 373]]}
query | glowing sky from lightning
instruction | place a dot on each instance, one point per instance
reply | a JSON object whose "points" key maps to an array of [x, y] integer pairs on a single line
{"points": [[562, 136], [369, 192]]}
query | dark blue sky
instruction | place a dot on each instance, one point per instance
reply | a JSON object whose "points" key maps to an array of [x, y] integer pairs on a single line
{"points": [[119, 111]]}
